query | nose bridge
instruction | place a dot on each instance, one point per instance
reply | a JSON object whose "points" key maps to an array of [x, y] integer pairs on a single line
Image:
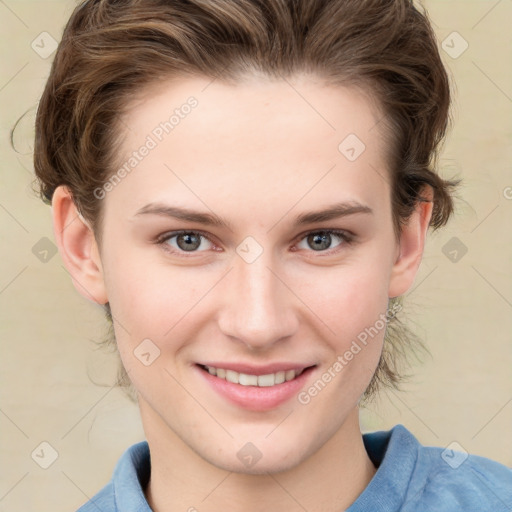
{"points": [[258, 307]]}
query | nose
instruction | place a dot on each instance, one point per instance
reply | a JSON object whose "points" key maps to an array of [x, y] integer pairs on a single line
{"points": [[257, 304]]}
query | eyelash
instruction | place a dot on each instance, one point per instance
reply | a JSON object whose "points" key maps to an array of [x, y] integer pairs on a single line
{"points": [[346, 237]]}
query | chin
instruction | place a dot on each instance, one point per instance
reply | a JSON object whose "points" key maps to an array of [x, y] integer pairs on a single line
{"points": [[261, 467], [258, 457]]}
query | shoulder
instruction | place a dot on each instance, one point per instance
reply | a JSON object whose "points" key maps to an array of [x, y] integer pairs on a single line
{"points": [[103, 500], [455, 480], [411, 477], [125, 491]]}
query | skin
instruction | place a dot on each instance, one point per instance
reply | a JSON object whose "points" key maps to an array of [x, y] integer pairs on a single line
{"points": [[258, 155]]}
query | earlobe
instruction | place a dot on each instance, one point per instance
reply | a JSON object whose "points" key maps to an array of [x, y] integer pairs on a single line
{"points": [[77, 246], [412, 243]]}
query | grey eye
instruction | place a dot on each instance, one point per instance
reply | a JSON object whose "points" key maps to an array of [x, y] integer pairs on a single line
{"points": [[321, 240], [189, 241]]}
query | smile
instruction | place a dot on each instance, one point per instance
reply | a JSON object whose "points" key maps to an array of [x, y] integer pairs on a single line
{"points": [[245, 379], [256, 392]]}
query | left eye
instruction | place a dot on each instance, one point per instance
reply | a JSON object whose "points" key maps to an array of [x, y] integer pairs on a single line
{"points": [[321, 240]]}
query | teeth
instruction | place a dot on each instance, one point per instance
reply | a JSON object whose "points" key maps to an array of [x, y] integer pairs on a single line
{"points": [[254, 380]]}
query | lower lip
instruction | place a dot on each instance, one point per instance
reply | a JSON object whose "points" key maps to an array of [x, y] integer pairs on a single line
{"points": [[256, 398]]}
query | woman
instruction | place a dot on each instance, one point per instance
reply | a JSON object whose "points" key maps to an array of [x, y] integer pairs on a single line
{"points": [[246, 186]]}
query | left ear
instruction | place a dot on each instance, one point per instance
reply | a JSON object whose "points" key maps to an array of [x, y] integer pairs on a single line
{"points": [[412, 242]]}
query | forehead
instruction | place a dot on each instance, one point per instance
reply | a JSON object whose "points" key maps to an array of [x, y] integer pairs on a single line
{"points": [[255, 138]]}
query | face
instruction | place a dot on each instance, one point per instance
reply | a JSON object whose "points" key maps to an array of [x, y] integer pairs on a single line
{"points": [[266, 285]]}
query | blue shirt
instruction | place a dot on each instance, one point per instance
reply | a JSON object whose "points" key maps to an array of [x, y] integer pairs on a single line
{"points": [[409, 478]]}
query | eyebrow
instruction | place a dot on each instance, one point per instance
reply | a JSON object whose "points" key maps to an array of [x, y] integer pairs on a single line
{"points": [[334, 211]]}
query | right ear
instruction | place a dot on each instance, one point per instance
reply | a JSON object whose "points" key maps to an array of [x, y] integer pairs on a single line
{"points": [[77, 247]]}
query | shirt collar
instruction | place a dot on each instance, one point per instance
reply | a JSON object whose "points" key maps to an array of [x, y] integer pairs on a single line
{"points": [[394, 453], [130, 477]]}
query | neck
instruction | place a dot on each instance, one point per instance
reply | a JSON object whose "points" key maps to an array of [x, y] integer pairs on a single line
{"points": [[328, 480]]}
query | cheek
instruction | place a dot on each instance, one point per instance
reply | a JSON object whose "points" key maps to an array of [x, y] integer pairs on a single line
{"points": [[167, 304], [357, 315], [352, 301], [154, 311], [348, 295], [153, 298]]}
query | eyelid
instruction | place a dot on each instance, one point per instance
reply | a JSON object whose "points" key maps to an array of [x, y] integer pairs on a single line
{"points": [[347, 237], [334, 231], [161, 239]]}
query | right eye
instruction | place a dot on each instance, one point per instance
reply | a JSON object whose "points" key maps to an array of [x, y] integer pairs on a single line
{"points": [[185, 241]]}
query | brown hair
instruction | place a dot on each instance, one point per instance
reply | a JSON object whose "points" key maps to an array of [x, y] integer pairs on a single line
{"points": [[110, 51]]}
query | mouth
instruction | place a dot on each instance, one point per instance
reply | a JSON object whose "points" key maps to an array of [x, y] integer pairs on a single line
{"points": [[255, 392]]}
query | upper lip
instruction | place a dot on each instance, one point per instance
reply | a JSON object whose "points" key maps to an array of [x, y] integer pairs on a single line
{"points": [[250, 369]]}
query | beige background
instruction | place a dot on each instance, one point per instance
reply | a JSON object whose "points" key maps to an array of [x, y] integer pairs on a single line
{"points": [[462, 310]]}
